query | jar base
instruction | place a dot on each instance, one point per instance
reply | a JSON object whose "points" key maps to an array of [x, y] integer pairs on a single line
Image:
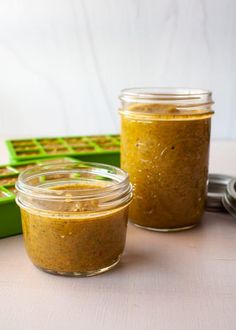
{"points": [[165, 230], [80, 274]]}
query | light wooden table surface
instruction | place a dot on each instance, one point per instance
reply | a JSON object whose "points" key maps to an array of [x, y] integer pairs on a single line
{"points": [[173, 281]]}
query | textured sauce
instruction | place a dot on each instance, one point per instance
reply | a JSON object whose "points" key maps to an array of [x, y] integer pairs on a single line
{"points": [[167, 161], [88, 240]]}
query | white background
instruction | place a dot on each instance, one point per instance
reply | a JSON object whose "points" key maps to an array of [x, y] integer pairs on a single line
{"points": [[63, 62]]}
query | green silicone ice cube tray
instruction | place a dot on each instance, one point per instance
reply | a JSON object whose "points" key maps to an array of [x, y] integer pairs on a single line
{"points": [[10, 220], [99, 148]]}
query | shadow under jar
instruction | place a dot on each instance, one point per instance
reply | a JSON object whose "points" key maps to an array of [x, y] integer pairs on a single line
{"points": [[74, 216], [165, 135]]}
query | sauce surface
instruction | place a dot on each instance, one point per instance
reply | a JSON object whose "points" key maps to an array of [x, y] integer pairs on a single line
{"points": [[167, 161]]}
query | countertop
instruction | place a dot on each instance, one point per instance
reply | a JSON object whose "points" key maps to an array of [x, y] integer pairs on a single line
{"points": [[183, 280]]}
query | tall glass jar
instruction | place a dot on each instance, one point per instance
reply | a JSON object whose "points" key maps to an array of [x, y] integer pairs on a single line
{"points": [[74, 216], [165, 135]]}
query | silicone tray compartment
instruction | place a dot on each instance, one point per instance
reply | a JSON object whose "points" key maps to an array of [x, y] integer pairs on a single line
{"points": [[99, 148], [10, 220]]}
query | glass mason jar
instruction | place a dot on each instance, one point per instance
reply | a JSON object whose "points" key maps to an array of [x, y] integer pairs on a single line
{"points": [[74, 216], [165, 134]]}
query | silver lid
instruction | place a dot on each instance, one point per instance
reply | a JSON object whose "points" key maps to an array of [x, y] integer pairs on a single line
{"points": [[229, 198], [217, 184]]}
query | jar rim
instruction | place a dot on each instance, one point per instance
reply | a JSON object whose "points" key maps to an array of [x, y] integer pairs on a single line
{"points": [[119, 181], [162, 93], [166, 103]]}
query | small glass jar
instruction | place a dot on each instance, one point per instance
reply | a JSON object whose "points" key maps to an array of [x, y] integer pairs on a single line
{"points": [[74, 216], [165, 135]]}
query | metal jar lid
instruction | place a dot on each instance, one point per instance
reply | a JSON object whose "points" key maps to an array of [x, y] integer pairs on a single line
{"points": [[229, 198], [217, 184]]}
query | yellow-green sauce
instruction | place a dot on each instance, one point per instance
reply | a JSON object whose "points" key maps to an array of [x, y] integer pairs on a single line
{"points": [[84, 240], [166, 156]]}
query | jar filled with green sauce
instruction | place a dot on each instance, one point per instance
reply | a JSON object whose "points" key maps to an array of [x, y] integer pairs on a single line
{"points": [[165, 136], [74, 216]]}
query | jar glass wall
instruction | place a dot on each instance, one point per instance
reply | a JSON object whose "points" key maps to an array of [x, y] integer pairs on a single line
{"points": [[74, 216], [165, 135]]}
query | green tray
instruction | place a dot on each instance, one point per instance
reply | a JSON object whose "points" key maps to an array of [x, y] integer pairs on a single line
{"points": [[10, 220], [99, 148]]}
